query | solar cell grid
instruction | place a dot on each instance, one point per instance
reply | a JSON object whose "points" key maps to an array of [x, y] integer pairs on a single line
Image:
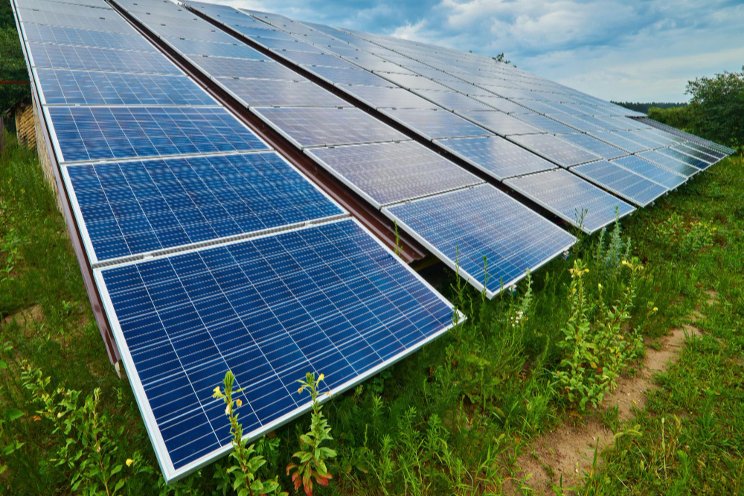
{"points": [[98, 19], [651, 171], [268, 93], [467, 226], [637, 189], [319, 59], [669, 163], [676, 154], [502, 104], [496, 156], [71, 36], [238, 68], [350, 75], [386, 173], [545, 124], [571, 198], [136, 207], [308, 127], [63, 87], [91, 133], [604, 150], [694, 152], [620, 141], [325, 299], [386, 97], [555, 149], [414, 82], [215, 49], [499, 122], [277, 45], [434, 124], [99, 59]]}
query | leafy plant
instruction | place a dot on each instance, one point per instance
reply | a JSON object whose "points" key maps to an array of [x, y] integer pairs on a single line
{"points": [[245, 480], [312, 458], [91, 450], [7, 415]]}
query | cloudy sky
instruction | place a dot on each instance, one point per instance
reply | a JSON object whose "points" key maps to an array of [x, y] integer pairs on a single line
{"points": [[642, 50]]}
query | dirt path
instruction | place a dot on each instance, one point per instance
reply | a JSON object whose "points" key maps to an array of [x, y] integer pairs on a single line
{"points": [[568, 451]]}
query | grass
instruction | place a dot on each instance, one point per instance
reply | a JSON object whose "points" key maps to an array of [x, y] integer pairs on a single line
{"points": [[454, 417]]}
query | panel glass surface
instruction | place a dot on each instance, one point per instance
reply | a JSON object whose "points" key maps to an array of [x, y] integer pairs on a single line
{"points": [[269, 93], [391, 172], [385, 97], [137, 207], [500, 123], [604, 150], [241, 68], [324, 126], [456, 102], [90, 133], [63, 87], [99, 59], [571, 198], [470, 225], [496, 156], [337, 75], [651, 171], [71, 36], [327, 299], [669, 163], [545, 124], [688, 156], [637, 189], [434, 124], [196, 47], [555, 149]]}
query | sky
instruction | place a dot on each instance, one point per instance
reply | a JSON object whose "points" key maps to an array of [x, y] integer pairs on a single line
{"points": [[642, 50]]}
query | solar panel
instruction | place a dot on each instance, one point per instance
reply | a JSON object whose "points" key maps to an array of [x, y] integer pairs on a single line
{"points": [[386, 173], [338, 75], [496, 156], [456, 102], [71, 36], [571, 198], [433, 124], [620, 141], [198, 47], [604, 150], [502, 104], [706, 153], [99, 59], [63, 87], [318, 59], [651, 171], [545, 124], [92, 133], [499, 122], [137, 207], [101, 20], [269, 93], [467, 226], [326, 299], [241, 68], [324, 126], [637, 189], [705, 159], [385, 97], [669, 163], [414, 82], [555, 149], [278, 45]]}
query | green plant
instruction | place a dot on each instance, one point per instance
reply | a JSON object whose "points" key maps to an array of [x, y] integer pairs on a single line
{"points": [[312, 458], [245, 481], [8, 415], [91, 449]]}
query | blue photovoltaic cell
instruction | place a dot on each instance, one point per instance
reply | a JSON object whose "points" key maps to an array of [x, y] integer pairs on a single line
{"points": [[414, 82], [70, 36], [63, 87], [621, 142], [456, 102], [604, 150], [496, 156], [502, 104], [318, 59], [386, 97], [669, 163], [328, 126], [469, 225], [138, 207], [99, 59], [90, 133], [327, 299], [499, 122], [270, 93], [555, 149], [104, 20], [651, 171], [433, 124], [701, 160], [391, 172], [215, 49], [630, 186], [696, 151], [571, 198], [546, 124], [277, 45], [263, 69]]}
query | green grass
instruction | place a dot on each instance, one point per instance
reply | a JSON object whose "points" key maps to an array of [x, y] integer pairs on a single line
{"points": [[453, 417]]}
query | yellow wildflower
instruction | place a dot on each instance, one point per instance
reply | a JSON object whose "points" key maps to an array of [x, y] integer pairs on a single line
{"points": [[129, 462]]}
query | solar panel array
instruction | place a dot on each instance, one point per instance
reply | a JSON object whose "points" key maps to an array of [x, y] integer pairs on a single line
{"points": [[210, 251], [378, 162], [563, 126]]}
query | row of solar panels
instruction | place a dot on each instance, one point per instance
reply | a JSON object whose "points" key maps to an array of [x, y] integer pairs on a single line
{"points": [[210, 251]]}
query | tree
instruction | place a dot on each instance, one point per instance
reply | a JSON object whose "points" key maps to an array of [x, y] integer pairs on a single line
{"points": [[679, 117], [717, 107], [502, 58]]}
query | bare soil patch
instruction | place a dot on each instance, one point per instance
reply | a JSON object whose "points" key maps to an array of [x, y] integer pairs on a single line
{"points": [[26, 316], [562, 456]]}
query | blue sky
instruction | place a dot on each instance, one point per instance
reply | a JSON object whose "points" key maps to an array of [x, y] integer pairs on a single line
{"points": [[631, 50]]}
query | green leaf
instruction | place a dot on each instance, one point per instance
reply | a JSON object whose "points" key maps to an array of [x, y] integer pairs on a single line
{"points": [[13, 414]]}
